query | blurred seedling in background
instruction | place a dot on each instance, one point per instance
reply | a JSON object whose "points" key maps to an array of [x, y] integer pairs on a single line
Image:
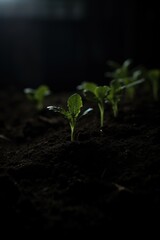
{"points": [[116, 91], [106, 94], [119, 71], [126, 76], [73, 113], [114, 96], [97, 94], [38, 95]]}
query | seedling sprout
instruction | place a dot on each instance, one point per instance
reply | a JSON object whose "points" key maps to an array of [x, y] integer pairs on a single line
{"points": [[37, 95], [73, 113], [97, 94]]}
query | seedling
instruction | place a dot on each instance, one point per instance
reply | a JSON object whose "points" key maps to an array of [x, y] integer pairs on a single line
{"points": [[119, 71], [132, 81], [73, 113], [37, 95], [123, 74], [154, 78], [114, 95], [97, 94]]}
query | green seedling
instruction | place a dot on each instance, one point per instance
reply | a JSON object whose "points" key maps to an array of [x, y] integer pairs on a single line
{"points": [[73, 113], [114, 95], [97, 94], [154, 77], [119, 71], [126, 76], [37, 95], [132, 81]]}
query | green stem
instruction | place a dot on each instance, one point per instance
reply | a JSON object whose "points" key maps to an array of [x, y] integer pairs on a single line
{"points": [[72, 125], [101, 109], [115, 109]]}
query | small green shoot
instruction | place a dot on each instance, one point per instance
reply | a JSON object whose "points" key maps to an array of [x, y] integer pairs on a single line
{"points": [[37, 95], [97, 94], [132, 81], [119, 71], [114, 95], [73, 113], [124, 74]]}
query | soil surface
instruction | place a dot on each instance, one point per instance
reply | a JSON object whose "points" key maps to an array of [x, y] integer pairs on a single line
{"points": [[104, 179]]}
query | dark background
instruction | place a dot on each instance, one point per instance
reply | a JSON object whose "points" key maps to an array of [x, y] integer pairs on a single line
{"points": [[65, 42]]}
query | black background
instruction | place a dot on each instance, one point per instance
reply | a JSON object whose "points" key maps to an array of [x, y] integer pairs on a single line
{"points": [[64, 52]]}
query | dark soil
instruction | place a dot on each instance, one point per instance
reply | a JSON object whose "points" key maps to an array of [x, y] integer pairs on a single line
{"points": [[102, 180]]}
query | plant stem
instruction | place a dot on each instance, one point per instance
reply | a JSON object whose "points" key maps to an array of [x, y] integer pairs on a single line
{"points": [[101, 109], [72, 131], [115, 109]]}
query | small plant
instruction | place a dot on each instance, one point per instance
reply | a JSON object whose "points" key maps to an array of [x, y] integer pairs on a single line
{"points": [[114, 95], [120, 71], [37, 95], [106, 94], [97, 94], [125, 75], [73, 113], [132, 81], [154, 77]]}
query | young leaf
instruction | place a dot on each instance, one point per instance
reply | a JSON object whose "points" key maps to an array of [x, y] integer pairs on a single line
{"points": [[57, 109], [87, 86], [37, 95], [119, 70], [41, 92], [97, 94], [114, 95], [74, 104], [101, 92], [132, 84], [126, 64], [129, 77]]}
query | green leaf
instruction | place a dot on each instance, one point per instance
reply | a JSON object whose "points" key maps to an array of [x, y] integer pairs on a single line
{"points": [[102, 92], [87, 86], [137, 74], [57, 109], [74, 104], [41, 92], [37, 95], [127, 63], [134, 83], [116, 84]]}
